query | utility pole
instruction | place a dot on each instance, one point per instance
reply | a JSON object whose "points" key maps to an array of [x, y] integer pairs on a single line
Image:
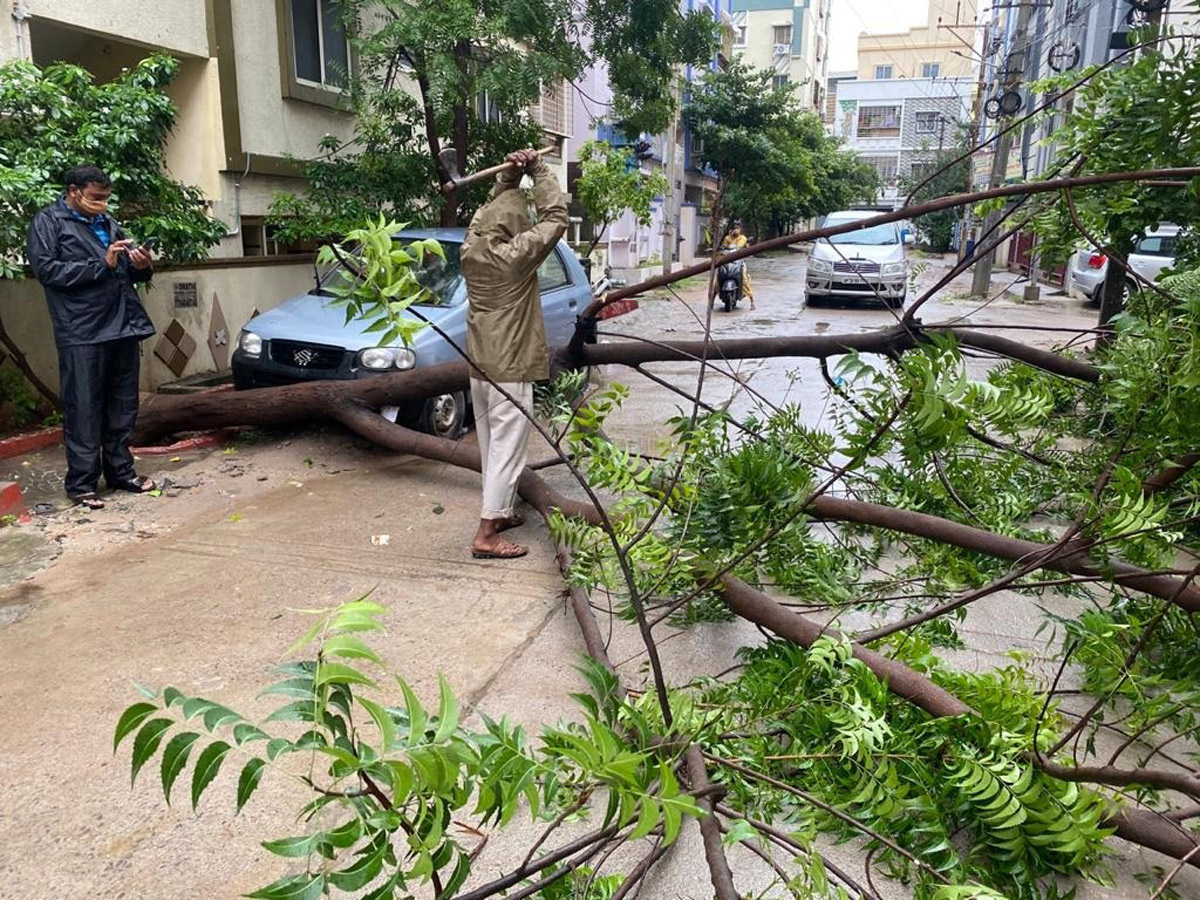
{"points": [[981, 285], [668, 213]]}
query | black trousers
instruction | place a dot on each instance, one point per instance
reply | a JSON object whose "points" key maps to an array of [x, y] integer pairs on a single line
{"points": [[99, 386]]}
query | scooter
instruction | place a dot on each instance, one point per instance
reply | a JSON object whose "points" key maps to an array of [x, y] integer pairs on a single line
{"points": [[729, 282]]}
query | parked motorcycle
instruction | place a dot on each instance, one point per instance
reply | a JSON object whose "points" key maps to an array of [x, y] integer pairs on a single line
{"points": [[729, 282]]}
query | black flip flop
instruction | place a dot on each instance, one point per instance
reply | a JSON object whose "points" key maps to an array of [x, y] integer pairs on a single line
{"points": [[91, 500], [138, 485]]}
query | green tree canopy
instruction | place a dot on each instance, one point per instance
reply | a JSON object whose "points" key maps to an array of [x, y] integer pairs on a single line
{"points": [[464, 75], [776, 161], [1142, 114], [947, 175], [54, 118], [610, 183]]}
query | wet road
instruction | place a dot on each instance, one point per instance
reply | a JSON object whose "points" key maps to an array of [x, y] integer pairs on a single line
{"points": [[759, 384]]}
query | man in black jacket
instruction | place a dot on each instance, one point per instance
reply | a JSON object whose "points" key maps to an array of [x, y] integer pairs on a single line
{"points": [[88, 269]]}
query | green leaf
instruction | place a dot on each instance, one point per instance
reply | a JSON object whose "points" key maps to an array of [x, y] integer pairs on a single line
{"points": [[447, 711], [647, 818], [131, 719], [275, 746], [245, 731], [337, 673], [248, 780], [218, 715], [383, 721], [294, 847], [146, 743], [350, 647], [292, 887], [345, 835], [299, 711], [171, 696], [207, 767], [416, 714], [306, 638], [362, 871], [174, 759]]}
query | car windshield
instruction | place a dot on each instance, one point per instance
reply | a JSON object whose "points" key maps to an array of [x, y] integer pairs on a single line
{"points": [[439, 277], [876, 235]]}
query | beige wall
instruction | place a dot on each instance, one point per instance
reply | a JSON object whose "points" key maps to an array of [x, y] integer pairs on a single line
{"points": [[241, 290], [803, 66], [905, 52], [271, 124], [176, 25]]}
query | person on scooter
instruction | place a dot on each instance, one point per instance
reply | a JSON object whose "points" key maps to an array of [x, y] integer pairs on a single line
{"points": [[735, 240]]}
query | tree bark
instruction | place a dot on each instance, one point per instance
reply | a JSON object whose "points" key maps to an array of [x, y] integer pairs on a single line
{"points": [[1112, 289]]}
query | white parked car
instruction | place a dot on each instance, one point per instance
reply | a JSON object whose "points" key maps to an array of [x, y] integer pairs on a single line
{"points": [[1152, 253], [867, 264]]}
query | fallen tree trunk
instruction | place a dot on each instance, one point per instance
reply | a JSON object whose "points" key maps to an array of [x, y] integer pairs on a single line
{"points": [[163, 414]]}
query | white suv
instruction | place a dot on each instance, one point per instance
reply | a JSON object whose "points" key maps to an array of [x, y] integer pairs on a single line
{"points": [[867, 264]]}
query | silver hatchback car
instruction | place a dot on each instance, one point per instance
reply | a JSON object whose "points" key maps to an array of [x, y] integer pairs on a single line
{"points": [[1153, 252], [307, 338]]}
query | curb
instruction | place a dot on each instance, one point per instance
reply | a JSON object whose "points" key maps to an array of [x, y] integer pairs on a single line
{"points": [[20, 444], [11, 502]]}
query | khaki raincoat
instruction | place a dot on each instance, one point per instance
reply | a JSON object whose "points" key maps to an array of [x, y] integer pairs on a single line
{"points": [[506, 337]]}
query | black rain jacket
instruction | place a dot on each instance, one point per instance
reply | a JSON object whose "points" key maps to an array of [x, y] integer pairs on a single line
{"points": [[89, 302]]}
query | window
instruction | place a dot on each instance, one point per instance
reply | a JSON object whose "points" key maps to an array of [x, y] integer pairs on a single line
{"points": [[321, 53], [885, 167], [1157, 245], [879, 121], [779, 81], [740, 39], [930, 70], [486, 110], [882, 73], [926, 122], [921, 170], [552, 274], [782, 34], [554, 109]]}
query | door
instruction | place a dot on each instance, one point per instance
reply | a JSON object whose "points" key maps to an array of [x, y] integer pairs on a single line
{"points": [[559, 283], [1153, 254]]}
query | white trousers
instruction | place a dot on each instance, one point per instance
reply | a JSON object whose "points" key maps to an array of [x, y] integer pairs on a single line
{"points": [[503, 432]]}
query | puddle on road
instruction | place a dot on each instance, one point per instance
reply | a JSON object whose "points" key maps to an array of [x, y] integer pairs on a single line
{"points": [[821, 327]]}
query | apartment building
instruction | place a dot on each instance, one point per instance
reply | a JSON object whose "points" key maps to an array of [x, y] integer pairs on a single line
{"points": [[942, 48], [261, 83], [899, 126], [789, 38], [678, 222]]}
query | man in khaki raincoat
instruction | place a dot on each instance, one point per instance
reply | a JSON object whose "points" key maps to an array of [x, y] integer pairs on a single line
{"points": [[506, 338]]}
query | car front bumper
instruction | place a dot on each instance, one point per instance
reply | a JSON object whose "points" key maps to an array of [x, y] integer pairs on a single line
{"points": [[855, 287]]}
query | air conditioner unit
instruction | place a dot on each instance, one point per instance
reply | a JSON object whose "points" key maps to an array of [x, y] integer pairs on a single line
{"points": [[782, 49]]}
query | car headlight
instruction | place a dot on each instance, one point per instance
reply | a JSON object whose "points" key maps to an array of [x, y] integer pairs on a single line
{"points": [[893, 269], [250, 343], [376, 358], [405, 358], [820, 266]]}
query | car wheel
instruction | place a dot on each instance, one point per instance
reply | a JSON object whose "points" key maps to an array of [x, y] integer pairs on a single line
{"points": [[810, 300], [443, 416]]}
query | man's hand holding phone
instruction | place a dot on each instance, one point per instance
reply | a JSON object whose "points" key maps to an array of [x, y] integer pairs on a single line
{"points": [[115, 249]]}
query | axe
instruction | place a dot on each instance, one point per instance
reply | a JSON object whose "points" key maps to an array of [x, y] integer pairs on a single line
{"points": [[448, 159]]}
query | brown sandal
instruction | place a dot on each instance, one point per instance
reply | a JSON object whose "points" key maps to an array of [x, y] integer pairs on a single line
{"points": [[507, 551]]}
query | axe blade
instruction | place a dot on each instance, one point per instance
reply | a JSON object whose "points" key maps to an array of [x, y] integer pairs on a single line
{"points": [[448, 160]]}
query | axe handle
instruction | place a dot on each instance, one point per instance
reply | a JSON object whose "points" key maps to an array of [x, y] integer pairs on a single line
{"points": [[486, 173]]}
